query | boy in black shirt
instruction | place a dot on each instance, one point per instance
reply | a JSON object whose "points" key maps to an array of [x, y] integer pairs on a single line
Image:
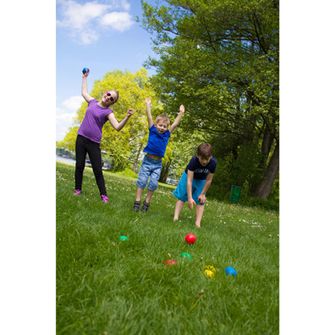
{"points": [[195, 182]]}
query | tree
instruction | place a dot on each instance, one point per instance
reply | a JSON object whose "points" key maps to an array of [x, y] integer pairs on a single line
{"points": [[69, 140], [220, 58]]}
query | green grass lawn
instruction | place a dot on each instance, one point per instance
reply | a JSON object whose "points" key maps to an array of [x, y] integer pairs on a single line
{"points": [[107, 286]]}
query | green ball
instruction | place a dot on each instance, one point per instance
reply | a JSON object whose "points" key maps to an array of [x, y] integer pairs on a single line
{"points": [[123, 238], [186, 255]]}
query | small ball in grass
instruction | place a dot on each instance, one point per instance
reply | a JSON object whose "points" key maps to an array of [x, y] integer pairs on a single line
{"points": [[123, 238], [190, 238], [170, 262], [186, 255], [85, 70], [230, 271], [209, 274], [209, 271]]}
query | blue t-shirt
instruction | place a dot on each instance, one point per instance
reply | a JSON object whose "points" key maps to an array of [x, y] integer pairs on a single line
{"points": [[157, 142], [201, 172]]}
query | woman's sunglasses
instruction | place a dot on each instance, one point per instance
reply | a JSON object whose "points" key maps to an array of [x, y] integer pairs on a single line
{"points": [[110, 97]]}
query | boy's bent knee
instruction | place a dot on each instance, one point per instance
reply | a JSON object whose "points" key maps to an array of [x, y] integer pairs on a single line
{"points": [[152, 188], [141, 183], [153, 185]]}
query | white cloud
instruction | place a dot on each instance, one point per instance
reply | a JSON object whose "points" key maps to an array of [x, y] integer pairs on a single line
{"points": [[77, 16], [88, 36], [120, 21], [83, 20], [73, 103], [123, 4], [65, 115], [118, 4]]}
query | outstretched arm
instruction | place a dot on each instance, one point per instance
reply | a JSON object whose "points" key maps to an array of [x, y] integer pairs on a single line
{"points": [[148, 110], [84, 93], [178, 118], [119, 125], [202, 196]]}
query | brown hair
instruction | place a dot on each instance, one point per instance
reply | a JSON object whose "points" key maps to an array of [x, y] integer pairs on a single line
{"points": [[163, 117], [204, 150]]}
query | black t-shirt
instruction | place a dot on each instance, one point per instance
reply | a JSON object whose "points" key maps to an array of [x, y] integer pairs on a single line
{"points": [[201, 172]]}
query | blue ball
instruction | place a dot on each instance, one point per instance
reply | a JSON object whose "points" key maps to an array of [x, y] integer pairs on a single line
{"points": [[86, 70], [230, 271]]}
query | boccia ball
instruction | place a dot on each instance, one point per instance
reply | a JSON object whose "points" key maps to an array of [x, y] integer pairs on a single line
{"points": [[209, 274], [86, 70], [123, 238], [230, 271], [209, 271], [186, 255], [190, 238], [170, 262]]}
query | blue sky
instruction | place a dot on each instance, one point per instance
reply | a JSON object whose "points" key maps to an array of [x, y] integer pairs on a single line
{"points": [[101, 35]]}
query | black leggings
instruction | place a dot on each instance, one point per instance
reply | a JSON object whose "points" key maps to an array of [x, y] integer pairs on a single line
{"points": [[83, 146]]}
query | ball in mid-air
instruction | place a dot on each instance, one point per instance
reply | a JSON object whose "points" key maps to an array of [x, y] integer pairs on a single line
{"points": [[85, 70]]}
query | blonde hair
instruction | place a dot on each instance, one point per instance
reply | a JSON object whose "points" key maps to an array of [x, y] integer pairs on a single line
{"points": [[164, 118]]}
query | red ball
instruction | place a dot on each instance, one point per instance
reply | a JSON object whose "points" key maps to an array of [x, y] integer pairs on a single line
{"points": [[190, 238], [170, 262]]}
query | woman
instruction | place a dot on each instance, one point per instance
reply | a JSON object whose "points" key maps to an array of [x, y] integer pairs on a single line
{"points": [[90, 133]]}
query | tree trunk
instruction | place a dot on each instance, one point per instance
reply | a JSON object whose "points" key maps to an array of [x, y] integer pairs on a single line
{"points": [[164, 172], [264, 188], [266, 145], [267, 142], [135, 164]]}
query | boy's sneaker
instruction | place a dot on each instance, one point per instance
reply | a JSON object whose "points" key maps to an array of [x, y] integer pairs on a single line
{"points": [[136, 206], [104, 198], [76, 192], [145, 206]]}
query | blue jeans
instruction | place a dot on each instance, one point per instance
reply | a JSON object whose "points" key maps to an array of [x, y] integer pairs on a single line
{"points": [[149, 168]]}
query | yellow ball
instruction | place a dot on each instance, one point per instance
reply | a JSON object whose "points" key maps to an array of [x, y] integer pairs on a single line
{"points": [[209, 273]]}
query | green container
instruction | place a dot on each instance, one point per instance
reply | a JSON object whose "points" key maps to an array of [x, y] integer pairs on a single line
{"points": [[235, 193]]}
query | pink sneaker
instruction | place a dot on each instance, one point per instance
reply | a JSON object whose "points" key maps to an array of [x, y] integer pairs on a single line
{"points": [[104, 198], [76, 192]]}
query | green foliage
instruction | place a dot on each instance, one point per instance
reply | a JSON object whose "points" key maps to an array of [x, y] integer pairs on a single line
{"points": [[220, 59], [108, 286], [69, 141], [222, 180], [242, 171], [245, 167], [184, 145]]}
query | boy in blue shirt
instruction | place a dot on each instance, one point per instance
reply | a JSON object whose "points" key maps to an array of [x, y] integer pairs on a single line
{"points": [[195, 182], [159, 135]]}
